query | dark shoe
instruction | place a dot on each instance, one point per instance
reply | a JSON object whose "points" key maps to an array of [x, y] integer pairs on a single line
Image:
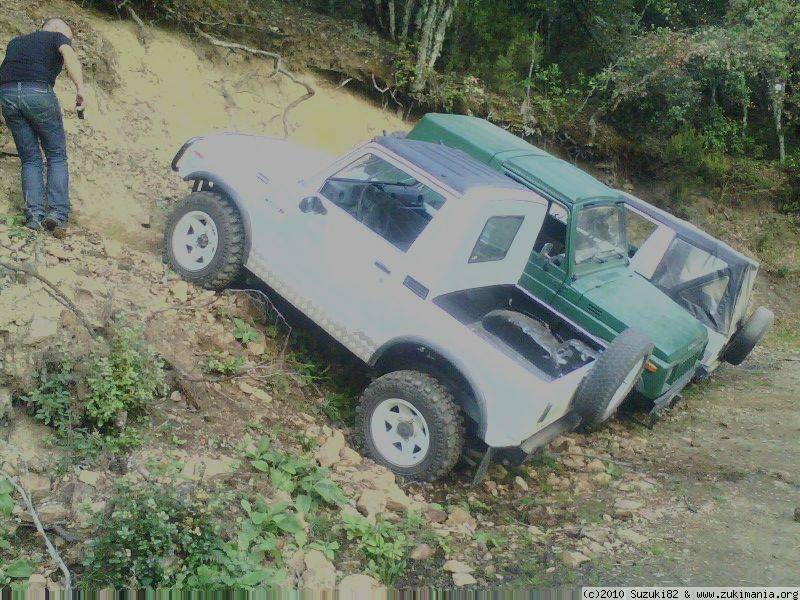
{"points": [[59, 232], [50, 223]]}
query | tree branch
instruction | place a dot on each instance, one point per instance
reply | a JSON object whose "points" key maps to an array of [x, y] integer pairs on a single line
{"points": [[279, 68], [53, 290]]}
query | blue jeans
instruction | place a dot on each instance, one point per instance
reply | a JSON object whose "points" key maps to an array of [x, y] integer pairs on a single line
{"points": [[33, 115]]}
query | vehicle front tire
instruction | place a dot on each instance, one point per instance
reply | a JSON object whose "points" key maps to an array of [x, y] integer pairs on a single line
{"points": [[748, 336], [411, 424], [204, 240], [612, 378]]}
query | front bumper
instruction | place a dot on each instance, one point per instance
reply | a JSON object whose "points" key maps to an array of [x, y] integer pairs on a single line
{"points": [[666, 398]]}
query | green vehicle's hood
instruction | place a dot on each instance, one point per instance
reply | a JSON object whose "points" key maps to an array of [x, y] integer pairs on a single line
{"points": [[629, 300]]}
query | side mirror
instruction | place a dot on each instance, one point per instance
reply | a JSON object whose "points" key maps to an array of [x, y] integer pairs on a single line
{"points": [[312, 204]]}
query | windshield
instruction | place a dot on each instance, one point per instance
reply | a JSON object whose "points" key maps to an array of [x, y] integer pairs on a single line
{"points": [[600, 234]]}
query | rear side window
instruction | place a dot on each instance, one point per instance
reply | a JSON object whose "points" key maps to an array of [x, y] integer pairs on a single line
{"points": [[496, 238]]}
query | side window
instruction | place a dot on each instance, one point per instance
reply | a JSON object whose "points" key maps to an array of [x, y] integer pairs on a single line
{"points": [[384, 198], [639, 230], [554, 231], [496, 238]]}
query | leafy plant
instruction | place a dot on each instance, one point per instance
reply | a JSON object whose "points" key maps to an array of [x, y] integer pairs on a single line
{"points": [[126, 380], [222, 364], [296, 475], [383, 544], [52, 397], [16, 227], [156, 536], [120, 385], [243, 332]]}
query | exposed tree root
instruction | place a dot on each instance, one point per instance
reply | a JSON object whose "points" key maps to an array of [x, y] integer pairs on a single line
{"points": [[278, 68]]}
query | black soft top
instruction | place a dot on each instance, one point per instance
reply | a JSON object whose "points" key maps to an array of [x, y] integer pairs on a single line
{"points": [[454, 168]]}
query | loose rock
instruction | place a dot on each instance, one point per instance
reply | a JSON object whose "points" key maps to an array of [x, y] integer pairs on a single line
{"points": [[421, 552], [462, 579], [573, 559], [457, 566], [630, 536], [356, 587], [319, 573], [328, 453]]}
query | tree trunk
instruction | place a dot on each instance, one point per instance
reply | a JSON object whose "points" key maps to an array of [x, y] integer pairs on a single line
{"points": [[408, 13], [392, 22], [776, 93], [441, 32], [433, 17]]}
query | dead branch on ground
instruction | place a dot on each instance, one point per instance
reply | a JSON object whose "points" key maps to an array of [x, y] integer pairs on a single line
{"points": [[54, 291], [278, 68], [26, 499]]}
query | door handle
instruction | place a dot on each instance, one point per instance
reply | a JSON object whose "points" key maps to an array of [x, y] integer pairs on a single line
{"points": [[382, 267]]}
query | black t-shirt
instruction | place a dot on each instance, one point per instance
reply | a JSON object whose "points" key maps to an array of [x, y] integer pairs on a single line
{"points": [[34, 57]]}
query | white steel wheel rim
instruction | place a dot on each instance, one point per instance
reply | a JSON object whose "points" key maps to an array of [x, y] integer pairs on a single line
{"points": [[195, 240], [400, 432], [624, 389]]}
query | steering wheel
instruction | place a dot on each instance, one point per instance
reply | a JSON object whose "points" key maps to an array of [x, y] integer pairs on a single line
{"points": [[372, 209]]}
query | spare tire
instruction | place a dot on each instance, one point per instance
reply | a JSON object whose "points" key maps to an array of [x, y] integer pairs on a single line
{"points": [[612, 378], [748, 336]]}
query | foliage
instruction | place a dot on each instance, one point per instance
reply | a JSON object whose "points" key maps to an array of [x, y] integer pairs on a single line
{"points": [[296, 474], [157, 536], [223, 364], [52, 397], [383, 544], [16, 229], [119, 385], [243, 331]]}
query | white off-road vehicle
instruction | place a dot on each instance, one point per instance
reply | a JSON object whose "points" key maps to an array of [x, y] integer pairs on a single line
{"points": [[408, 253]]}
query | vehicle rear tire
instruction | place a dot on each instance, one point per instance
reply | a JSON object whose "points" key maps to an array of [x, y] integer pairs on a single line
{"points": [[411, 424], [204, 240], [612, 378], [748, 336]]}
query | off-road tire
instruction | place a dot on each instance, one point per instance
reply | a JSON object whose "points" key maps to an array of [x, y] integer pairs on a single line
{"points": [[748, 336], [228, 261], [607, 375], [435, 402]]}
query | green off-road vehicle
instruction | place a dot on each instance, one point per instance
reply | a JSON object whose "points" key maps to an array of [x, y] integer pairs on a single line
{"points": [[581, 260]]}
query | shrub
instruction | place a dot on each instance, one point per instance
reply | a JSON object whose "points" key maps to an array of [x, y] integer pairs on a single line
{"points": [[383, 544], [153, 537], [118, 386], [296, 475], [126, 380]]}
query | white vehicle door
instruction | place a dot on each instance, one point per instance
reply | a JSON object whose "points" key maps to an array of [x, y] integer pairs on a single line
{"points": [[364, 219]]}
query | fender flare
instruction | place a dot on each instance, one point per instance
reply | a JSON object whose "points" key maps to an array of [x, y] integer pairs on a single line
{"points": [[457, 364], [229, 191]]}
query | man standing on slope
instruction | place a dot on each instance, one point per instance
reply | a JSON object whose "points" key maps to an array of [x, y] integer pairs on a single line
{"points": [[33, 115]]}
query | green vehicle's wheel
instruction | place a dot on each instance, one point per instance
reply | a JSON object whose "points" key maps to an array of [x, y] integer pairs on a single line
{"points": [[748, 336], [612, 378]]}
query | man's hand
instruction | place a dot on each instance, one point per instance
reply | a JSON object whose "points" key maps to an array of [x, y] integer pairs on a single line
{"points": [[80, 99]]}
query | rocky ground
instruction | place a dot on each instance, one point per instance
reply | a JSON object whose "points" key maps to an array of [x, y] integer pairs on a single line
{"points": [[707, 496]]}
